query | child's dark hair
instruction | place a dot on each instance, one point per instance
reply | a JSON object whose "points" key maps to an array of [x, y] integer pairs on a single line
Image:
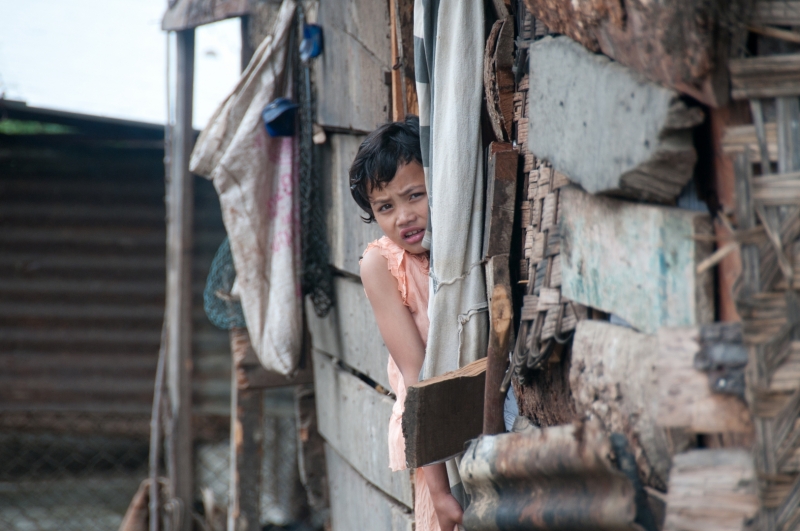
{"points": [[383, 151]]}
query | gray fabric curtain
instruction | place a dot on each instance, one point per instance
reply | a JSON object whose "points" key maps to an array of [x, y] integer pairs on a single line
{"points": [[448, 46]]}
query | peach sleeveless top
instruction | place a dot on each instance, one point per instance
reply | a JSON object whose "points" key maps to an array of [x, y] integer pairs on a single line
{"points": [[411, 272]]}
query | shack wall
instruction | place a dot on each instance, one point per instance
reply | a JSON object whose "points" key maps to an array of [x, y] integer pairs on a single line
{"points": [[351, 384]]}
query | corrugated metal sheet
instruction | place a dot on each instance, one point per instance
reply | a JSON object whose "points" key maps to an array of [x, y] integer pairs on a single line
{"points": [[82, 276]]}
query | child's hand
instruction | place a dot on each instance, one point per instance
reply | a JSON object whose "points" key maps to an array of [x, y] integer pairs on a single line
{"points": [[448, 511]]}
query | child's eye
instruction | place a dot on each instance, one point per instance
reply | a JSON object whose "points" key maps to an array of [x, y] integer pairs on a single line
{"points": [[384, 208], [416, 195]]}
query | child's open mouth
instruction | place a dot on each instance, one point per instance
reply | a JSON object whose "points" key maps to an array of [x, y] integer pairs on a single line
{"points": [[414, 235]]}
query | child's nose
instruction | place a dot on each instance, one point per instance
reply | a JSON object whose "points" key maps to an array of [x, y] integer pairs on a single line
{"points": [[406, 215]]}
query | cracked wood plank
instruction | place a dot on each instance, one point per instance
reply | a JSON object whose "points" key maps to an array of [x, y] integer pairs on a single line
{"points": [[351, 75]]}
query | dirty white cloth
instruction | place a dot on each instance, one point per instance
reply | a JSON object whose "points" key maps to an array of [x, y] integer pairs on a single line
{"points": [[256, 179], [448, 41]]}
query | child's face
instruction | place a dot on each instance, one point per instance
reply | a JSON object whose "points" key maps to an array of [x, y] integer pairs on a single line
{"points": [[401, 207]]}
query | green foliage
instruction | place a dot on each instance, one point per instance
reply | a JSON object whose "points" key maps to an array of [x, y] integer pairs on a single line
{"points": [[29, 127]]}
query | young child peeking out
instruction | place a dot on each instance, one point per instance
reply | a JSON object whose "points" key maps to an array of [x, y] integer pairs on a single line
{"points": [[388, 183]]}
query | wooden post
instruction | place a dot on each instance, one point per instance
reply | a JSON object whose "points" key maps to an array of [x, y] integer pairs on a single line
{"points": [[247, 425], [180, 192], [501, 199], [725, 183]]}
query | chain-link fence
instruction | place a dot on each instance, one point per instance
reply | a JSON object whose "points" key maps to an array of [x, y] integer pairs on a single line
{"points": [[77, 474]]}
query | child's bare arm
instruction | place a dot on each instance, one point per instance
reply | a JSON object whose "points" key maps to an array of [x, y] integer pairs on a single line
{"points": [[394, 319], [448, 511], [408, 351]]}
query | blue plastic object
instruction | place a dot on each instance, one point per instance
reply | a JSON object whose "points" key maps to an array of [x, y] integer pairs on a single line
{"points": [[278, 117], [311, 45]]}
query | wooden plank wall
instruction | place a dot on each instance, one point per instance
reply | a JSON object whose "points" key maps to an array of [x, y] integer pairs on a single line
{"points": [[352, 80], [354, 420], [353, 74], [373, 509], [349, 332]]}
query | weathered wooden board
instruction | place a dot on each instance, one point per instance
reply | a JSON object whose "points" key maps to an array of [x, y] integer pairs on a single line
{"points": [[612, 378], [711, 490], [354, 419], [742, 138], [442, 413], [685, 399], [501, 198], [349, 332], [765, 77], [355, 504], [501, 331], [577, 98], [187, 14], [348, 235], [352, 89], [679, 43], [636, 261]]}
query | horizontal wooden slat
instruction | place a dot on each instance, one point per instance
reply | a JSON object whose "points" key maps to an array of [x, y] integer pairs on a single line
{"points": [[577, 97], [354, 419], [81, 189], [356, 504], [349, 332], [741, 138], [765, 76]]}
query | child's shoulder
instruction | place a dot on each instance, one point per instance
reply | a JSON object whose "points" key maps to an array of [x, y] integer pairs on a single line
{"points": [[382, 257], [372, 256], [376, 273]]}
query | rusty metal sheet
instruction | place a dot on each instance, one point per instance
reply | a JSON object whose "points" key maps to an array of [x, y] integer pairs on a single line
{"points": [[546, 479], [82, 270]]}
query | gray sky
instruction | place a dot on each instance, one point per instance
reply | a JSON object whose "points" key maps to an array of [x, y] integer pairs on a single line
{"points": [[107, 58]]}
